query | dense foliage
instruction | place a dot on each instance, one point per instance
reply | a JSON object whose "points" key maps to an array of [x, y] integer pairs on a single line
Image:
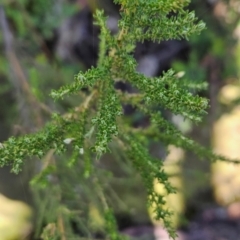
{"points": [[79, 137]]}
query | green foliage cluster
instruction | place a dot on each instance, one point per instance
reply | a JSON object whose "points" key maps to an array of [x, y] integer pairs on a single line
{"points": [[98, 126]]}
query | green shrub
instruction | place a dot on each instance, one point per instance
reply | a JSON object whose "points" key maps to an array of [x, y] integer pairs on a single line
{"points": [[72, 144]]}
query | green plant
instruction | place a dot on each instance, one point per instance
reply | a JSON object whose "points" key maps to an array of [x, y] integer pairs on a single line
{"points": [[72, 144], [41, 16]]}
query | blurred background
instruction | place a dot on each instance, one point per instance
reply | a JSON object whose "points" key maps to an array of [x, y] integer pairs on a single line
{"points": [[43, 44]]}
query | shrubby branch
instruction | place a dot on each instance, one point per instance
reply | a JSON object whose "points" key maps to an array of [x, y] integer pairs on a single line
{"points": [[99, 120]]}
